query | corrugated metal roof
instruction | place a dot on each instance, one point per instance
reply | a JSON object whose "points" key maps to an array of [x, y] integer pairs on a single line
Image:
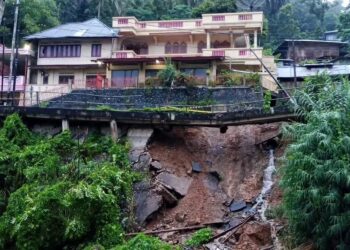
{"points": [[88, 29]]}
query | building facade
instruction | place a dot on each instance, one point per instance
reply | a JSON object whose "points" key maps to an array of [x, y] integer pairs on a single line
{"points": [[305, 50], [199, 47], [90, 54], [67, 55]]}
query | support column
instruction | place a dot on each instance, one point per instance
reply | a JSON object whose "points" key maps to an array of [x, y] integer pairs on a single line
{"points": [[208, 40], [232, 40], [213, 71], [65, 125], [114, 130], [142, 75], [255, 38]]}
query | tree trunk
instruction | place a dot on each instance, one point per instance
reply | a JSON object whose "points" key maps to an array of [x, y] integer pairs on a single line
{"points": [[2, 9]]}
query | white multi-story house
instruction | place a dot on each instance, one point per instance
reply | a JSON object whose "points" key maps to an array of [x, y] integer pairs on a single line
{"points": [[90, 54], [200, 47], [68, 53]]}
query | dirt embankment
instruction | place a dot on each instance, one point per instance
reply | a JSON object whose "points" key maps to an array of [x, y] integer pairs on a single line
{"points": [[232, 169]]}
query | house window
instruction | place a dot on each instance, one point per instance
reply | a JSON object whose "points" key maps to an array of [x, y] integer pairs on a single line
{"points": [[200, 73], [201, 46], [168, 48], [57, 51], [45, 78], [65, 79], [125, 78], [176, 48], [96, 50], [152, 73], [183, 48]]}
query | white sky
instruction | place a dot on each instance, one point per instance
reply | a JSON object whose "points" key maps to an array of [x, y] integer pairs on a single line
{"points": [[345, 2]]}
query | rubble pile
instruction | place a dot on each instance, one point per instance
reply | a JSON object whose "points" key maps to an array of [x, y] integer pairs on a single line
{"points": [[198, 177]]}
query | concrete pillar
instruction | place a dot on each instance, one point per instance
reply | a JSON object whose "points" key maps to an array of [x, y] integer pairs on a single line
{"points": [[114, 130], [232, 40], [142, 75], [255, 38], [208, 40], [65, 125], [213, 71]]}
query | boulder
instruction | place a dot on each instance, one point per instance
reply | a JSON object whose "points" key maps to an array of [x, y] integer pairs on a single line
{"points": [[196, 167], [236, 206], [168, 197], [147, 201], [254, 235], [179, 185], [156, 166], [144, 162]]}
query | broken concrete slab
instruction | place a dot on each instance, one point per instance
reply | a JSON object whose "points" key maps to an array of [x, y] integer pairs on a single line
{"points": [[147, 201], [139, 137], [180, 185], [156, 166], [196, 167], [168, 197], [236, 206], [143, 162]]}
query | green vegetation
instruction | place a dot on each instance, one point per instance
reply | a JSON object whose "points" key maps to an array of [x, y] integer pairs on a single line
{"points": [[200, 237], [144, 242], [104, 108], [267, 101], [172, 109], [58, 193], [316, 171], [168, 74]]}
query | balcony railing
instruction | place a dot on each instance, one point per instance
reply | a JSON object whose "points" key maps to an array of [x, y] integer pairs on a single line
{"points": [[234, 53], [254, 19]]}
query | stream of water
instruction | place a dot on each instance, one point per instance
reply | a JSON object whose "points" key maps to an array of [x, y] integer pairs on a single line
{"points": [[268, 182], [262, 202]]}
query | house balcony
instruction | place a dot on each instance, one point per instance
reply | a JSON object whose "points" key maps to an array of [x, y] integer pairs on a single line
{"points": [[208, 21], [234, 55]]}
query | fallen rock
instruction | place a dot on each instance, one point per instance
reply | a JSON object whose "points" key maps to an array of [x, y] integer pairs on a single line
{"points": [[168, 197], [156, 166], [196, 167], [211, 182], [193, 222], [178, 184], [179, 217], [147, 201], [237, 205], [254, 235], [143, 162], [216, 246]]}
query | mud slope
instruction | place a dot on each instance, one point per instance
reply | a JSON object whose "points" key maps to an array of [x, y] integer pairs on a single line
{"points": [[233, 155]]}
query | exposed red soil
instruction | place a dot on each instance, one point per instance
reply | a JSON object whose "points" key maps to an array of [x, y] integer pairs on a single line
{"points": [[234, 155]]}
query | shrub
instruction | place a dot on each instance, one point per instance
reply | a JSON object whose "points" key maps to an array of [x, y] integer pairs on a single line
{"points": [[168, 74], [200, 237], [144, 242], [56, 195], [315, 173]]}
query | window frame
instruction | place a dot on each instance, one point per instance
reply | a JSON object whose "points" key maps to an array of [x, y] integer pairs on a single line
{"points": [[96, 50], [72, 76], [60, 51]]}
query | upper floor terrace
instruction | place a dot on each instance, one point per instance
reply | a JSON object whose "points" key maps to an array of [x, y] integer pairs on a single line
{"points": [[242, 20]]}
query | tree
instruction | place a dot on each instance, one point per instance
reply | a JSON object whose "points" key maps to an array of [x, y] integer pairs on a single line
{"points": [[316, 169], [34, 15], [344, 26], [286, 25], [215, 6], [2, 9]]}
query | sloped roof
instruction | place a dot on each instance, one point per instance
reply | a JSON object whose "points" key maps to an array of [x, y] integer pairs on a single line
{"points": [[92, 28]]}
